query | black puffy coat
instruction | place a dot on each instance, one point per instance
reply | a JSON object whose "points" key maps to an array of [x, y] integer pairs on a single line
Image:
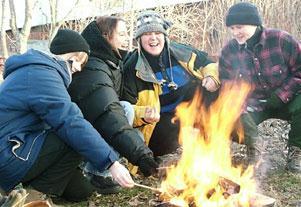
{"points": [[96, 90]]}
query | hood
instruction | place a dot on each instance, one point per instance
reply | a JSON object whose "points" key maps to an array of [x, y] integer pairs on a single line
{"points": [[144, 67], [37, 58], [99, 46]]}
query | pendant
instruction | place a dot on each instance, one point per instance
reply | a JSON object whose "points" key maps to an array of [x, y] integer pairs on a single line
{"points": [[172, 85], [162, 82]]}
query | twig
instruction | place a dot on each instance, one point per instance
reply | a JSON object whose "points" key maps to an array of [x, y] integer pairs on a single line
{"points": [[147, 187], [164, 167]]}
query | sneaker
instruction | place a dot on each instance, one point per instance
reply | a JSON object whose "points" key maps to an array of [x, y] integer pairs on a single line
{"points": [[105, 185], [294, 159]]}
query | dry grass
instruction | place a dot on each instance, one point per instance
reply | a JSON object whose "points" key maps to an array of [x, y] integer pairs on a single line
{"points": [[202, 24]]}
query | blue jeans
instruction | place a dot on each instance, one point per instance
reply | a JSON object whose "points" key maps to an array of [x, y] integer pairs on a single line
{"points": [[130, 114], [128, 111]]}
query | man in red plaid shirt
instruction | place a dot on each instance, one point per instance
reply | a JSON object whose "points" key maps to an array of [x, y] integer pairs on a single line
{"points": [[270, 60]]}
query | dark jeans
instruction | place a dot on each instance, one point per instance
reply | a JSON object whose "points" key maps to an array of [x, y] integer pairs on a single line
{"points": [[165, 136], [290, 112], [56, 172]]}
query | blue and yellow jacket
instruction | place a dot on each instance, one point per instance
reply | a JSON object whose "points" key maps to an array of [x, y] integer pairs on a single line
{"points": [[143, 88]]}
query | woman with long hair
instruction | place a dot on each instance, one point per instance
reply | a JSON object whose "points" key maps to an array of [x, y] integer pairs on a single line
{"points": [[97, 89]]}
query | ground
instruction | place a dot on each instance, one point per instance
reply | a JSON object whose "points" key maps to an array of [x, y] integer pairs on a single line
{"points": [[273, 180]]}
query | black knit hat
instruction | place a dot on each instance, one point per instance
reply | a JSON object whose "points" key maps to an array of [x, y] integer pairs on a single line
{"points": [[151, 21], [243, 13], [66, 41]]}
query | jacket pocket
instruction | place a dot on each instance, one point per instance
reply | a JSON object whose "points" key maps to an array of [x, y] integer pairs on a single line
{"points": [[22, 144], [276, 75]]}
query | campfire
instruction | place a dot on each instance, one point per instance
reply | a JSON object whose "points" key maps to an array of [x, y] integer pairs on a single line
{"points": [[204, 175]]}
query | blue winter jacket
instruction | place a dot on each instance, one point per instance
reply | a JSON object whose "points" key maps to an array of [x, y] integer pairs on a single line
{"points": [[33, 101]]}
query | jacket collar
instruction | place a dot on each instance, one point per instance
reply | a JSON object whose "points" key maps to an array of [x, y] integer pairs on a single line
{"points": [[143, 69]]}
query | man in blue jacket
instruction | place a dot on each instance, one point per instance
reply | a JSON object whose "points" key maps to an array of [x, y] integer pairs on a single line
{"points": [[43, 135]]}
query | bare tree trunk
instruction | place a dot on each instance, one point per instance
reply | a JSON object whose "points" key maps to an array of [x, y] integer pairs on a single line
{"points": [[55, 23], [22, 35], [132, 20], [53, 17], [2, 29], [13, 23], [25, 31]]}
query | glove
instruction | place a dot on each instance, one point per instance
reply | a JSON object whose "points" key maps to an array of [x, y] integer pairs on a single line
{"points": [[273, 102], [147, 165]]}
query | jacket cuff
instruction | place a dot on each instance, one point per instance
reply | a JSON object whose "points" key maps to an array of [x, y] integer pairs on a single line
{"points": [[285, 96], [139, 111], [211, 70], [112, 157], [139, 115]]}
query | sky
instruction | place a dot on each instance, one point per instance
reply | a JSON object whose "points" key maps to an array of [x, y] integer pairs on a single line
{"points": [[86, 8]]}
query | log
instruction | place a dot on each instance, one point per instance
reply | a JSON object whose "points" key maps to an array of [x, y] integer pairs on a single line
{"points": [[262, 200], [228, 187], [38, 204], [257, 200]]}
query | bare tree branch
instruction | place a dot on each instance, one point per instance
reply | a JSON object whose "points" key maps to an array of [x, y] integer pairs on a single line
{"points": [[25, 31], [3, 31], [22, 35], [13, 19], [55, 24]]}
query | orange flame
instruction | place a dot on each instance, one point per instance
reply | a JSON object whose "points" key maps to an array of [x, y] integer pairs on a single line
{"points": [[206, 160]]}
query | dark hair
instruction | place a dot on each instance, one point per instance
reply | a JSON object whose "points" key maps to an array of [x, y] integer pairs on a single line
{"points": [[107, 24]]}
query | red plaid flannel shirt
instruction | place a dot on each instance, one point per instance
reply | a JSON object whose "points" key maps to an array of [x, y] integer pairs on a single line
{"points": [[273, 67]]}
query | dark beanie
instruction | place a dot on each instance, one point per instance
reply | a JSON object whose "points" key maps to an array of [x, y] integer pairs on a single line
{"points": [[67, 41], [243, 13]]}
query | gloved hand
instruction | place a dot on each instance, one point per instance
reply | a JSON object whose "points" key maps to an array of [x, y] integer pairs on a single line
{"points": [[121, 175], [273, 102], [147, 165]]}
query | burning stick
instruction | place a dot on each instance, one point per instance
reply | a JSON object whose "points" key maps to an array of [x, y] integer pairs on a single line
{"points": [[147, 187], [165, 167], [162, 171]]}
